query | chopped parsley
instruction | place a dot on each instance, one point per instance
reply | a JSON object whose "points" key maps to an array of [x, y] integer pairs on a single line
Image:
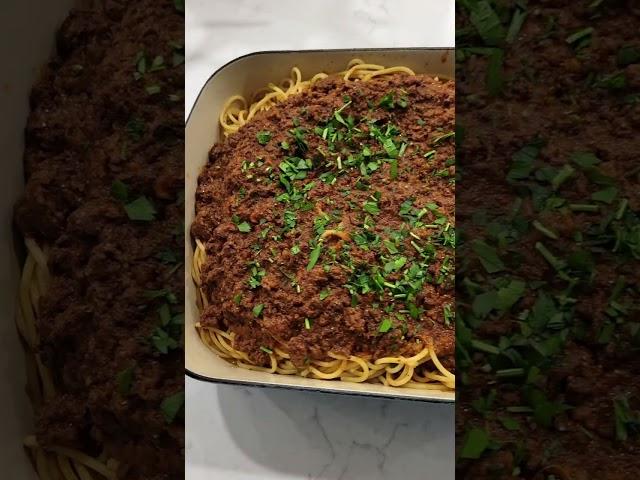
{"points": [[315, 255], [442, 138], [385, 325], [263, 137], [256, 275], [124, 380], [172, 407], [120, 191], [475, 443], [141, 209], [162, 341], [243, 226], [627, 421]]}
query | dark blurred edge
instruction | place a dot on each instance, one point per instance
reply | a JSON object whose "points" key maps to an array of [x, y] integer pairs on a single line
{"points": [[105, 98], [548, 205]]}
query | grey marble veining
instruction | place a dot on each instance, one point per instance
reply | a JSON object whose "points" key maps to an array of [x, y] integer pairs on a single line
{"points": [[246, 433]]}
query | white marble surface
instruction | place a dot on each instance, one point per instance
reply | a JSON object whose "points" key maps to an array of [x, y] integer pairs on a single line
{"points": [[238, 433]]}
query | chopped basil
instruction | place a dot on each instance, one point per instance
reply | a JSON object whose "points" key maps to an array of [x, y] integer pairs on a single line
{"points": [[324, 294], [266, 350], [307, 324], [313, 258]]}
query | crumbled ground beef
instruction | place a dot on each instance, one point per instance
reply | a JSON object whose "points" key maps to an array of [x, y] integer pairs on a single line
{"points": [[547, 292], [104, 145], [380, 170]]}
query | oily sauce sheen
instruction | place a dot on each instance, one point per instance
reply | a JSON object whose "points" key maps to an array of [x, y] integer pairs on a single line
{"points": [[381, 170]]}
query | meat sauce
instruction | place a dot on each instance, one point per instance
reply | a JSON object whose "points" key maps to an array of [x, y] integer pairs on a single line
{"points": [[548, 209], [104, 180], [371, 160]]}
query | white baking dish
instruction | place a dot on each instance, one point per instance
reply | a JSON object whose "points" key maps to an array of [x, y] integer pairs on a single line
{"points": [[244, 76], [28, 43]]}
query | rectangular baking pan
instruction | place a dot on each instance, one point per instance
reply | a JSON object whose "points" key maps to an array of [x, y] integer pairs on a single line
{"points": [[245, 75]]}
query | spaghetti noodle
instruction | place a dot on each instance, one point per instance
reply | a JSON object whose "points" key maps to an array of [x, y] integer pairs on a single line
{"points": [[107, 397], [422, 370], [55, 462], [237, 111]]}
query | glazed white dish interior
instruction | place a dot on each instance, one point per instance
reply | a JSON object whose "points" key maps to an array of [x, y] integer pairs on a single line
{"points": [[244, 76]]}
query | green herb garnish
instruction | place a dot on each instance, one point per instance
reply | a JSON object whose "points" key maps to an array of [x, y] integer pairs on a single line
{"points": [[172, 406], [263, 137], [120, 191], [385, 325], [476, 442], [313, 258], [141, 209], [124, 380]]}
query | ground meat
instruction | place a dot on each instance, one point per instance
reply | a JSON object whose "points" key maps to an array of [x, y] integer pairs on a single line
{"points": [[547, 294], [95, 126], [271, 190]]}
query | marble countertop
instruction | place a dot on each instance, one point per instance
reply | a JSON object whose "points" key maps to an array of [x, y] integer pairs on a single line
{"points": [[241, 433]]}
